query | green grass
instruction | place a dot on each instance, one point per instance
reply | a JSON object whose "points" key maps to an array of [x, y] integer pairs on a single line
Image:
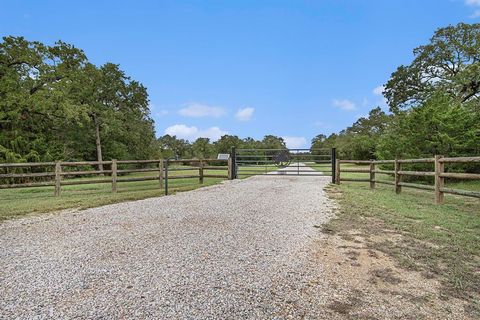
{"points": [[441, 241], [21, 201]]}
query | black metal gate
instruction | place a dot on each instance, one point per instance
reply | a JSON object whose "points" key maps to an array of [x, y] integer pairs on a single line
{"points": [[283, 162]]}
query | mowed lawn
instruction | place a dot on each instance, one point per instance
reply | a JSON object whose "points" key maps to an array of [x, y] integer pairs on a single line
{"points": [[21, 201], [441, 241]]}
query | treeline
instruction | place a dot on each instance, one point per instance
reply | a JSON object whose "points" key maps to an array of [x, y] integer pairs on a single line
{"points": [[203, 148], [434, 104], [56, 105]]}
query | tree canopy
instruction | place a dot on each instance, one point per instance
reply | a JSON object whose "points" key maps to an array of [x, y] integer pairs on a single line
{"points": [[434, 104], [55, 105]]}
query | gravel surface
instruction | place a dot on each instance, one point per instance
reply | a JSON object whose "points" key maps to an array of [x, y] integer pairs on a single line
{"points": [[239, 250]]}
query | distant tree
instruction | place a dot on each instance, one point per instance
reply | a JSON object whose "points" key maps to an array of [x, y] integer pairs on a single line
{"points": [[172, 147], [273, 142], [226, 142], [202, 149], [450, 63]]}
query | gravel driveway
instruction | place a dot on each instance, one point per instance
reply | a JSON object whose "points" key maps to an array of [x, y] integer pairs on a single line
{"points": [[236, 250]]}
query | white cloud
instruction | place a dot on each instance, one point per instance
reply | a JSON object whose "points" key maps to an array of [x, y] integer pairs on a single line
{"points": [[344, 104], [244, 114], [378, 91], [475, 14], [198, 110], [472, 2], [161, 113], [295, 142], [192, 133]]}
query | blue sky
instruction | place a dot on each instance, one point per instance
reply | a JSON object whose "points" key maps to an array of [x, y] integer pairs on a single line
{"points": [[289, 68]]}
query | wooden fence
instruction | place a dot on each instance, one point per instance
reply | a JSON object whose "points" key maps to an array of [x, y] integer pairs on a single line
{"points": [[161, 167], [439, 174]]}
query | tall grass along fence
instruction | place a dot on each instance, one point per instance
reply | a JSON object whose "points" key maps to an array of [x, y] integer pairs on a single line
{"points": [[58, 174], [438, 174]]}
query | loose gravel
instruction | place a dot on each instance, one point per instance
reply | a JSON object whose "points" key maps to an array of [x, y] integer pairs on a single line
{"points": [[237, 250]]}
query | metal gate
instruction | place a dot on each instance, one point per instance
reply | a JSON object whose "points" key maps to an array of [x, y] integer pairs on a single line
{"points": [[283, 162]]}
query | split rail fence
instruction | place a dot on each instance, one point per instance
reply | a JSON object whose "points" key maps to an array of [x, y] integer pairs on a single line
{"points": [[161, 167], [439, 174]]}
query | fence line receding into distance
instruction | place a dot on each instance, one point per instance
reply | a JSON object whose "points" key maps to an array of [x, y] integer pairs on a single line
{"points": [[161, 168], [439, 174]]}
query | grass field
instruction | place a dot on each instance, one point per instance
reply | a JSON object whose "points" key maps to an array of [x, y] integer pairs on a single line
{"points": [[21, 201], [441, 241]]}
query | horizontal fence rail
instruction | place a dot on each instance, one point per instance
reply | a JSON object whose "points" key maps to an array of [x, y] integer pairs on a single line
{"points": [[398, 173], [193, 168]]}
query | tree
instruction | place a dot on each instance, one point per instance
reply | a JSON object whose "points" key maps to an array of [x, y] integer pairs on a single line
{"points": [[226, 142], [441, 125], [273, 142], [172, 147], [56, 105], [449, 63], [202, 149]]}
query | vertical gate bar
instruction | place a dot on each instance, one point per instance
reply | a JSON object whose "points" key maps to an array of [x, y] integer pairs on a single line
{"points": [[333, 159], [298, 162], [166, 177], [229, 163], [234, 162]]}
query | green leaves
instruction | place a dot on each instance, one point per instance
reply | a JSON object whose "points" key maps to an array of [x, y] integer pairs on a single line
{"points": [[48, 95], [450, 63]]}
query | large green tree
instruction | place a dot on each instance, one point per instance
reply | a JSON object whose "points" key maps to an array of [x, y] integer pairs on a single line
{"points": [[449, 63], [54, 104]]}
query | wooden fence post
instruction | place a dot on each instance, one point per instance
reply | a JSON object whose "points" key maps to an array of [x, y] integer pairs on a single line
{"points": [[337, 169], [200, 173], [439, 181], [58, 177], [398, 177], [114, 175], [230, 169], [372, 174], [160, 173], [166, 177]]}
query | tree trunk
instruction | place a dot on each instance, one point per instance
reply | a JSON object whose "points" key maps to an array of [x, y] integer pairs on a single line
{"points": [[98, 142]]}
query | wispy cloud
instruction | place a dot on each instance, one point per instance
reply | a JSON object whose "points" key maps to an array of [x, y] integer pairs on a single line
{"points": [[474, 4], [344, 104], [198, 110], [295, 142], [192, 133], [244, 114], [378, 91]]}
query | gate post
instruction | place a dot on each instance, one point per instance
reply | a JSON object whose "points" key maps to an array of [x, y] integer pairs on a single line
{"points": [[334, 163], [233, 156], [439, 180], [166, 177], [114, 175]]}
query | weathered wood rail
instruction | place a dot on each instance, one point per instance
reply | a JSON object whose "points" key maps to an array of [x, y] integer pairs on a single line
{"points": [[161, 168], [438, 174]]}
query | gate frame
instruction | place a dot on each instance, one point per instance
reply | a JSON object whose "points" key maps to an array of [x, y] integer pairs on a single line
{"points": [[234, 167]]}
